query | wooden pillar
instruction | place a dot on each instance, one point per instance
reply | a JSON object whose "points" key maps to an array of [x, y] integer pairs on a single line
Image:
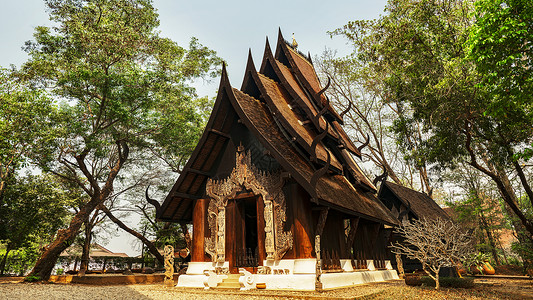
{"points": [[303, 228], [261, 230], [199, 225], [231, 210]]}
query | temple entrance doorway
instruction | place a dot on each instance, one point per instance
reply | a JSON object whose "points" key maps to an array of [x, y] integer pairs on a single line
{"points": [[245, 240]]}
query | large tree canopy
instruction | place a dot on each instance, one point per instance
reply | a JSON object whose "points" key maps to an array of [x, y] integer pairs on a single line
{"points": [[501, 45], [27, 119], [124, 93], [420, 48]]}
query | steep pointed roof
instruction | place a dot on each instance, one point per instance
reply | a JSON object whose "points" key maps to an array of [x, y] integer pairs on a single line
{"points": [[283, 112], [301, 77]]}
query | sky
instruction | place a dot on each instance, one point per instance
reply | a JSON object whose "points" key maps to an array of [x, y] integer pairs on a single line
{"points": [[229, 27]]}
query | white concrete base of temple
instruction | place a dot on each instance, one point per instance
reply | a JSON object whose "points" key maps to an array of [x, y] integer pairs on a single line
{"points": [[346, 279], [292, 274]]}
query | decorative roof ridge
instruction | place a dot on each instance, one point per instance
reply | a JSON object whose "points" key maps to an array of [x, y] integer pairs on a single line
{"points": [[289, 44], [410, 189], [224, 78], [299, 53], [269, 55]]}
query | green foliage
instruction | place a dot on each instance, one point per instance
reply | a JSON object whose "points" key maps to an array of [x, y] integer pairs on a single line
{"points": [[33, 208], [19, 261], [420, 49], [27, 118], [501, 45], [121, 82], [475, 260], [123, 99], [480, 212], [32, 278], [417, 46]]}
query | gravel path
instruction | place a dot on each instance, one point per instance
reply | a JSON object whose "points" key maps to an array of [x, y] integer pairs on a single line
{"points": [[158, 291], [484, 289]]}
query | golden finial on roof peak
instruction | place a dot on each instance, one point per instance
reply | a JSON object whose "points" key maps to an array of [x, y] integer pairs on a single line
{"points": [[294, 43]]}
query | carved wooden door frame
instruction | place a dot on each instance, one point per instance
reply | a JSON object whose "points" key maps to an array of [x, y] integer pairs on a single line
{"points": [[246, 176]]}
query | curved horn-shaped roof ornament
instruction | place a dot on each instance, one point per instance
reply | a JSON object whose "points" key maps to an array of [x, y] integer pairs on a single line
{"points": [[325, 88], [381, 177], [155, 203], [319, 173], [346, 110]]}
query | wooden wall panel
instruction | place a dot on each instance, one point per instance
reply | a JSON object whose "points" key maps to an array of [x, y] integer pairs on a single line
{"points": [[333, 238]]}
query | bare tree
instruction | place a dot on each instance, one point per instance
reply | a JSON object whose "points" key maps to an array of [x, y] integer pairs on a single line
{"points": [[435, 243], [369, 116]]}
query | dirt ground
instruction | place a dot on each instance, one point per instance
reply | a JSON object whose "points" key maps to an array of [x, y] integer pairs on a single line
{"points": [[485, 288]]}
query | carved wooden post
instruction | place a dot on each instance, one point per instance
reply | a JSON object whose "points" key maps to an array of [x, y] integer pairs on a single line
{"points": [[261, 233], [169, 265], [318, 270], [221, 235], [319, 229], [322, 220], [269, 229]]}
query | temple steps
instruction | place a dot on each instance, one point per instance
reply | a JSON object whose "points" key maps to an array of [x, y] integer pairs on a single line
{"points": [[232, 282]]}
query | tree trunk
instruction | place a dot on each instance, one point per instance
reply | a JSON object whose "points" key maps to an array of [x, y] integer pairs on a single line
{"points": [[145, 241], [2, 188], [437, 282], [497, 174], [64, 238], [490, 237], [4, 260], [186, 235], [86, 249]]}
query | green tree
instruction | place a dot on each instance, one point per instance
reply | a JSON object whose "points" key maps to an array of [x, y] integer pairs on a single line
{"points": [[124, 90], [34, 208], [419, 47], [479, 208], [26, 120], [501, 45]]}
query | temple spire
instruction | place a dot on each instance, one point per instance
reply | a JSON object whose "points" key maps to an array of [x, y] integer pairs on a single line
{"points": [[294, 42]]}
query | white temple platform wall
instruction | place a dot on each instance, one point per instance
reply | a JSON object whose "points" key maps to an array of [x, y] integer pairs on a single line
{"points": [[345, 279], [296, 282], [301, 275], [198, 268], [191, 281]]}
